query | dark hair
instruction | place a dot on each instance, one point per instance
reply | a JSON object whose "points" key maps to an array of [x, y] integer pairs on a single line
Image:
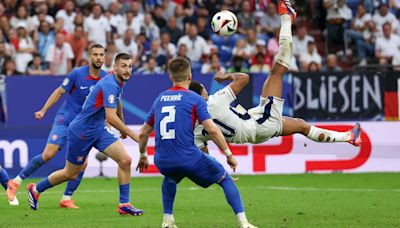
{"points": [[196, 87], [123, 56], [179, 69], [96, 46]]}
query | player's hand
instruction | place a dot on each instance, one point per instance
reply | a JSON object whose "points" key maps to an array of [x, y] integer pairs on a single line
{"points": [[123, 135], [142, 164], [232, 162], [220, 76], [39, 115]]}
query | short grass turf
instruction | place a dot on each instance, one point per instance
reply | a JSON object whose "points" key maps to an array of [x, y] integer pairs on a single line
{"points": [[307, 200]]}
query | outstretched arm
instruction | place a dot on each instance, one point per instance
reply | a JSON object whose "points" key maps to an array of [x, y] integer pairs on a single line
{"points": [[143, 139], [239, 80], [113, 119], [54, 97]]}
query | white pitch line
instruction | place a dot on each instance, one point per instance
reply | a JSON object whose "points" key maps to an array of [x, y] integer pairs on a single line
{"points": [[274, 188]]}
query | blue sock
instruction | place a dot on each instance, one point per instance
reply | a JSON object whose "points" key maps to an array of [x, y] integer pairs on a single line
{"points": [[232, 194], [34, 164], [73, 184], [124, 193], [3, 177], [43, 185], [168, 194]]}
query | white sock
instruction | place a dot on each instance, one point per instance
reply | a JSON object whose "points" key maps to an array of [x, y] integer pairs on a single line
{"points": [[168, 218], [18, 180], [65, 197], [285, 53], [242, 217], [317, 133]]}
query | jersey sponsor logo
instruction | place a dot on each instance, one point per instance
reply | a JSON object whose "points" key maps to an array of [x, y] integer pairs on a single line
{"points": [[177, 97], [54, 137], [65, 82], [111, 99], [84, 87], [10, 147]]}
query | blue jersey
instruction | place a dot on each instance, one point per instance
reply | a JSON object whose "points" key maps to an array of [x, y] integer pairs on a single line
{"points": [[78, 84], [173, 116], [91, 120]]}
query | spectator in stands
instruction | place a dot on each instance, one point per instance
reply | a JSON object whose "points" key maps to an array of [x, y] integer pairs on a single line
{"points": [[360, 31], [37, 67], [168, 9], [251, 38], [68, 15], [130, 22], [60, 56], [44, 37], [83, 62], [78, 43], [150, 67], [334, 26], [79, 19], [271, 20], [388, 45], [180, 17], [381, 16], [127, 44], [213, 65], [260, 65], [22, 16], [273, 43], [108, 65], [168, 49], [242, 49], [300, 41], [313, 67], [202, 25], [42, 15], [245, 18], [116, 19], [197, 45], [3, 54], [59, 27], [182, 50], [331, 64], [190, 9], [9, 68], [150, 28], [238, 65], [158, 17], [156, 53], [310, 56], [25, 49], [174, 32], [53, 7], [97, 27]]}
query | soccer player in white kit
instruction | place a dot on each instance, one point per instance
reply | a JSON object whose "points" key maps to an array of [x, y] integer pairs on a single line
{"points": [[264, 121]]}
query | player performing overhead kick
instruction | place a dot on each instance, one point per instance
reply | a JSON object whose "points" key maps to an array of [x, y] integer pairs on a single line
{"points": [[78, 83], [265, 121]]}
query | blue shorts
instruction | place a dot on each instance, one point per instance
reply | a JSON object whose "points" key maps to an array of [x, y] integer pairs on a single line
{"points": [[78, 148], [205, 172], [58, 133]]}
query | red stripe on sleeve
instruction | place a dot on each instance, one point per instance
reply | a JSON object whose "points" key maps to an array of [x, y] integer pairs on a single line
{"points": [[99, 100]]}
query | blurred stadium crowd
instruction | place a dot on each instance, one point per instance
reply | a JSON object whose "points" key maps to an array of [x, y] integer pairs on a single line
{"points": [[50, 37]]}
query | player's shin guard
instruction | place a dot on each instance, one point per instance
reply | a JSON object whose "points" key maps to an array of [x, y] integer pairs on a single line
{"points": [[43, 185], [285, 53], [322, 135], [32, 166], [124, 193], [232, 194], [168, 194], [73, 185], [3, 177]]}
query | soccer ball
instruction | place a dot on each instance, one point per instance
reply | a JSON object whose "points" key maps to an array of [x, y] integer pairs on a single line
{"points": [[224, 23]]}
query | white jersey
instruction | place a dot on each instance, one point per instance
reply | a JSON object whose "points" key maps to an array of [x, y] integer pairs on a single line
{"points": [[238, 125]]}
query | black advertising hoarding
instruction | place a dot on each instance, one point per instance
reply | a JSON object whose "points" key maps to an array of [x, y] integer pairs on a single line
{"points": [[338, 96]]}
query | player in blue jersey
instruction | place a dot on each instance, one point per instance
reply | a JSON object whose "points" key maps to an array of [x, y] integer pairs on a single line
{"points": [[88, 130], [173, 117], [78, 83]]}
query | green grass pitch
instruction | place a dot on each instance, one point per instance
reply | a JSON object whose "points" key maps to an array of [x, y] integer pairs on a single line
{"points": [[307, 200]]}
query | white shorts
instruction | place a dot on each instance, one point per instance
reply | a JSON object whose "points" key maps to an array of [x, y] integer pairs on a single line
{"points": [[269, 119]]}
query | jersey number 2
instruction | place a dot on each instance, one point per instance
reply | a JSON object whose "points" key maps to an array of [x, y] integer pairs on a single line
{"points": [[170, 118]]}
